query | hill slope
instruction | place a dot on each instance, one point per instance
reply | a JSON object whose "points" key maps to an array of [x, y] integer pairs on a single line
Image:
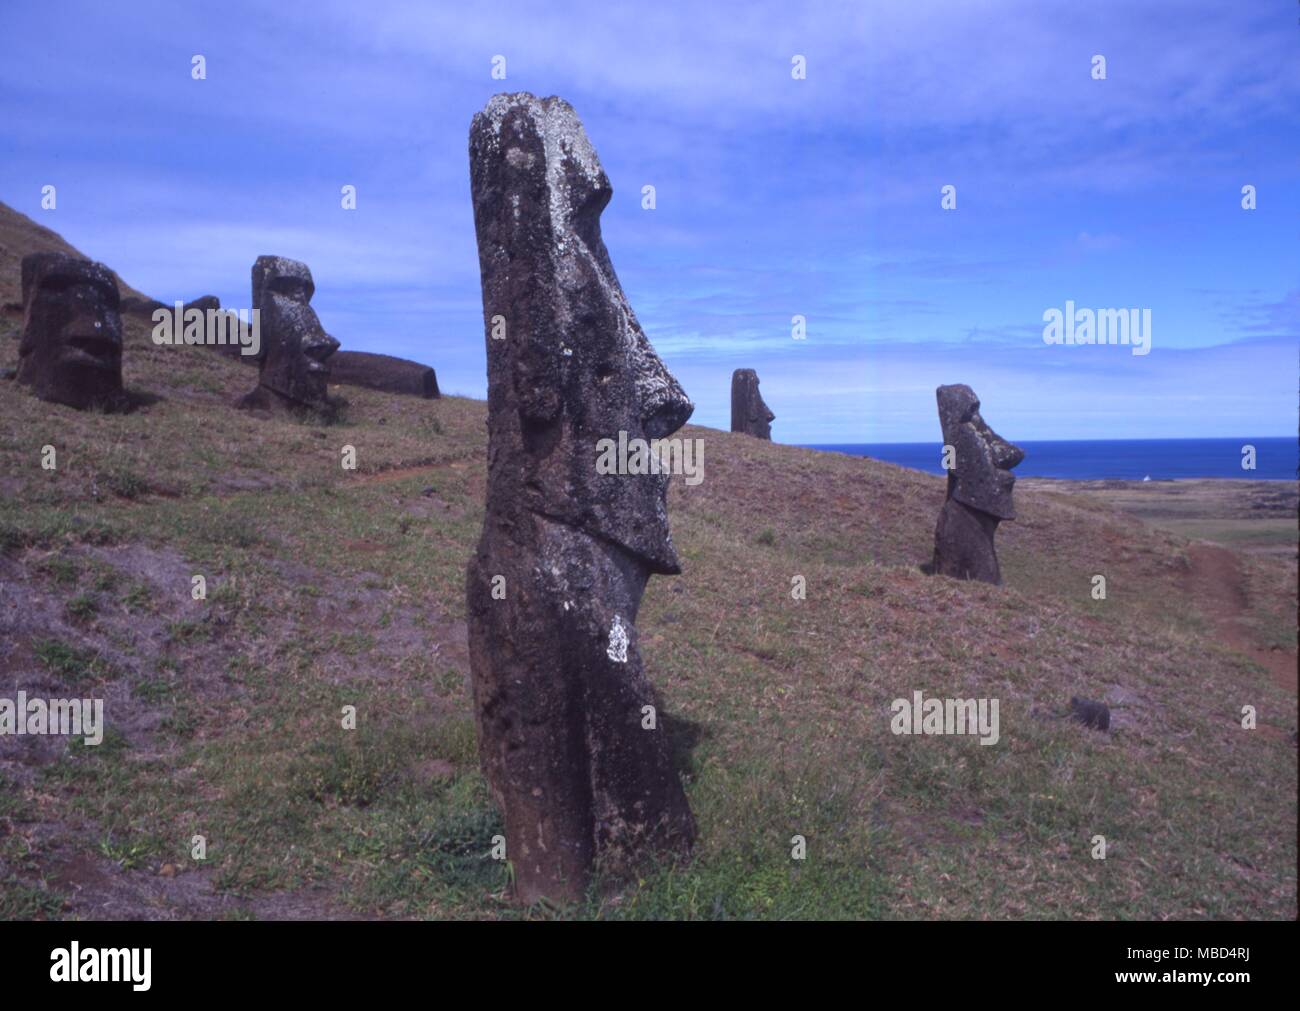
{"points": [[328, 588], [19, 236]]}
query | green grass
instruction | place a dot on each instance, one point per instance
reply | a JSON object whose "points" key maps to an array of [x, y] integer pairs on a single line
{"points": [[73, 665], [82, 607], [21, 901]]}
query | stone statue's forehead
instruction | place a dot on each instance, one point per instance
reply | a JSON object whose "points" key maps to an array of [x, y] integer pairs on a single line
{"points": [[274, 268], [568, 151], [60, 273], [552, 118], [280, 274], [962, 403]]}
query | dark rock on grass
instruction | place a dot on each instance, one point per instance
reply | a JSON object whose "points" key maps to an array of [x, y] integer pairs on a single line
{"points": [[565, 553], [1091, 714], [384, 373]]}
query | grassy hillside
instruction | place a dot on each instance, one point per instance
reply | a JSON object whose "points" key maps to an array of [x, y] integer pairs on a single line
{"points": [[329, 588]]}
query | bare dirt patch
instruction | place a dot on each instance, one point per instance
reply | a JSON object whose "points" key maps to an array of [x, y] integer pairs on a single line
{"points": [[1216, 581]]}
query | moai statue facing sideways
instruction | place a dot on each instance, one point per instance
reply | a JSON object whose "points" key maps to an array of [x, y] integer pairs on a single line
{"points": [[71, 349], [293, 361], [560, 695], [748, 412], [979, 489]]}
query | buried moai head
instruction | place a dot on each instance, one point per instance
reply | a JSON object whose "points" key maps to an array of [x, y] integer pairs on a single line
{"points": [[981, 476], [748, 412], [294, 346], [71, 349], [560, 694], [568, 363]]}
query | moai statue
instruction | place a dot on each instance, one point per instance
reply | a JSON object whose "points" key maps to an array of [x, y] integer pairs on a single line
{"points": [[293, 359], [71, 349], [748, 412], [581, 774], [979, 489], [386, 373]]}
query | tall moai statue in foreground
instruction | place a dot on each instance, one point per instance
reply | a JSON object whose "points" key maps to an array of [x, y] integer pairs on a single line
{"points": [[293, 359], [979, 489], [569, 738], [71, 348], [748, 412]]}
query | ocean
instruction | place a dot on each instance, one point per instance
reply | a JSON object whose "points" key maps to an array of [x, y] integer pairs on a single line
{"points": [[1123, 459]]}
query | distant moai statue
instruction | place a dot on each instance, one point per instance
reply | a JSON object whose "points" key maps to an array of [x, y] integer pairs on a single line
{"points": [[748, 412], [979, 489], [294, 355], [559, 689], [71, 347]]}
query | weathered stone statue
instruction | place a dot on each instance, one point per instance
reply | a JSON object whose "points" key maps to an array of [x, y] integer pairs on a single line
{"points": [[71, 348], [553, 590], [384, 372], [979, 489], [293, 360], [748, 412]]}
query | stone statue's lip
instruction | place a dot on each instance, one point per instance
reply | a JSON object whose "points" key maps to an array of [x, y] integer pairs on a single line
{"points": [[94, 351]]}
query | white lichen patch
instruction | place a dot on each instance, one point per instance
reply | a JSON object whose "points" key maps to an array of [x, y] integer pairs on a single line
{"points": [[617, 650]]}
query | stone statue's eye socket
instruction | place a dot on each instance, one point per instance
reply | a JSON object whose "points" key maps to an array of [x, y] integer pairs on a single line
{"points": [[289, 286]]}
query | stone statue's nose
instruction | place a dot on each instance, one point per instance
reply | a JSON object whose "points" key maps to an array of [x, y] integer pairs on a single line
{"points": [[319, 345], [1005, 454], [664, 404], [667, 416]]}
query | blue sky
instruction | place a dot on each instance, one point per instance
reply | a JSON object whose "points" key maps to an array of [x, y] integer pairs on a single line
{"points": [[775, 196]]}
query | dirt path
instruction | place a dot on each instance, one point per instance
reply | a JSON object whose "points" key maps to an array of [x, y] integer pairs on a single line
{"points": [[1216, 582], [398, 473]]}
